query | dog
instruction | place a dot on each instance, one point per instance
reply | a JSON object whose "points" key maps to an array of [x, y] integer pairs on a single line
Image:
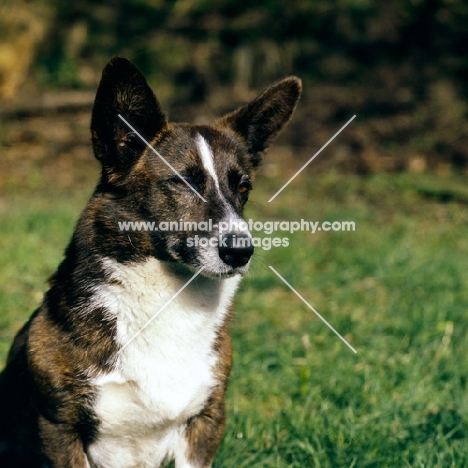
{"points": [[125, 363]]}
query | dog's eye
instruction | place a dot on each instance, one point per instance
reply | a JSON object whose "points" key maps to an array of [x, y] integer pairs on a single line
{"points": [[244, 187], [181, 183]]}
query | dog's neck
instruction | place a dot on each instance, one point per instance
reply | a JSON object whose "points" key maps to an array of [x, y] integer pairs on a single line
{"points": [[136, 293]]}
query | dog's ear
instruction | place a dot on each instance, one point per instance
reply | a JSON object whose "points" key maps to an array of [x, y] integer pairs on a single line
{"points": [[123, 90], [260, 121]]}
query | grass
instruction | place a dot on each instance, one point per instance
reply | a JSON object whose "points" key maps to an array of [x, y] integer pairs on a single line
{"points": [[396, 289]]}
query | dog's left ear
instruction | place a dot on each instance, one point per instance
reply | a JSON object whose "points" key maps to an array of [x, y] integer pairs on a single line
{"points": [[123, 91], [260, 121]]}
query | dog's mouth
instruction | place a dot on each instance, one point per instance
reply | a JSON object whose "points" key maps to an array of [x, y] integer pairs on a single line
{"points": [[224, 272], [216, 255], [207, 269], [228, 256], [213, 266]]}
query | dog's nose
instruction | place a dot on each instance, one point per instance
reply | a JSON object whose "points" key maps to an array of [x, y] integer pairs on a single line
{"points": [[235, 249]]}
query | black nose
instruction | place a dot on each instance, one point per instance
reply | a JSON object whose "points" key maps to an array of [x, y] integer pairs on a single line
{"points": [[235, 249]]}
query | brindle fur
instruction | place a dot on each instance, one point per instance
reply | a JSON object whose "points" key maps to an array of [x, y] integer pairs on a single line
{"points": [[46, 391]]}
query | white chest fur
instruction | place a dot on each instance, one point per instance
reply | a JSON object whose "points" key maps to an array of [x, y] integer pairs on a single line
{"points": [[163, 376]]}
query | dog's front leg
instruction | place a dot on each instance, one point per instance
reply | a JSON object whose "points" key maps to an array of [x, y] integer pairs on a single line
{"points": [[202, 436], [61, 446]]}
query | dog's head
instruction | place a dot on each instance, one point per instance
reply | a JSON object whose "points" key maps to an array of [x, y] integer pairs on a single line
{"points": [[165, 177]]}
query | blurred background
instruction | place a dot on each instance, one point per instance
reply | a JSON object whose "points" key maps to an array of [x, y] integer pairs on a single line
{"points": [[400, 65]]}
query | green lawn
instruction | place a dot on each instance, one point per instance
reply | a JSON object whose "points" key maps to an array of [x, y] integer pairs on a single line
{"points": [[396, 289]]}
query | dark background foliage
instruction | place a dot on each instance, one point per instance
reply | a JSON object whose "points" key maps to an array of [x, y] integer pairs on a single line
{"points": [[400, 65]]}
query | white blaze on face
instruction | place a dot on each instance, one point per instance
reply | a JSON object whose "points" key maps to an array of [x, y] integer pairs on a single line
{"points": [[207, 158], [208, 255]]}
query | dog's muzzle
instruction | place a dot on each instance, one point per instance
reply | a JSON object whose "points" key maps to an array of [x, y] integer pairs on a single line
{"points": [[235, 250]]}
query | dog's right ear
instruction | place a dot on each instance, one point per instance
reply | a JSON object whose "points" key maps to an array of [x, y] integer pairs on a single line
{"points": [[259, 122], [123, 90]]}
